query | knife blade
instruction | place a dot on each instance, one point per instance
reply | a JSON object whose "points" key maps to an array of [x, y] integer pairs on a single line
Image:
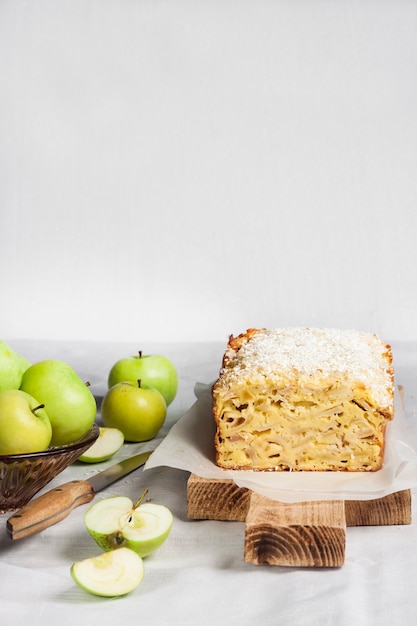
{"points": [[56, 504]]}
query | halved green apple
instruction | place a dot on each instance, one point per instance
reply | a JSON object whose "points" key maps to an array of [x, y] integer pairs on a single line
{"points": [[116, 522], [110, 574], [108, 442]]}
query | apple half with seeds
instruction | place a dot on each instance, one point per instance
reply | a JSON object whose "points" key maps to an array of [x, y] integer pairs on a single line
{"points": [[110, 574], [109, 441], [116, 522]]}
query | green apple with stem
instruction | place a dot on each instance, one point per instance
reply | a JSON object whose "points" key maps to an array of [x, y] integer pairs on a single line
{"points": [[24, 423], [136, 410], [109, 441], [154, 370], [110, 574], [69, 403], [116, 522]]}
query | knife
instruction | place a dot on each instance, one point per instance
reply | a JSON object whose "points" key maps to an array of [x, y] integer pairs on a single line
{"points": [[56, 504]]}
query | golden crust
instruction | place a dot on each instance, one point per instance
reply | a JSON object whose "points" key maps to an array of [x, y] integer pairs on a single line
{"points": [[280, 410]]}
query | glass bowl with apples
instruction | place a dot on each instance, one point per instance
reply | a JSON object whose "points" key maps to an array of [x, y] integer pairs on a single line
{"points": [[47, 421]]}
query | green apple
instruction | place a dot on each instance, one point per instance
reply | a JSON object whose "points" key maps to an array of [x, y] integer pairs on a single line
{"points": [[109, 441], [116, 522], [154, 370], [69, 403], [111, 574], [136, 410], [12, 366], [24, 423]]}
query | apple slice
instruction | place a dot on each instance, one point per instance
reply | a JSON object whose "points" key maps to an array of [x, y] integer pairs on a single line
{"points": [[116, 522], [111, 574], [109, 441]]}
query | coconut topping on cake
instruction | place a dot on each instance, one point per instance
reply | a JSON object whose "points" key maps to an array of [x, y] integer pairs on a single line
{"points": [[307, 352]]}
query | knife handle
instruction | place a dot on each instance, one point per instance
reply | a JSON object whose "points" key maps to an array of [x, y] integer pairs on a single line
{"points": [[49, 508]]}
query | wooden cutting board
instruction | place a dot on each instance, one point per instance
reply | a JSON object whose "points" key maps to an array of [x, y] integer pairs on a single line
{"points": [[302, 534]]}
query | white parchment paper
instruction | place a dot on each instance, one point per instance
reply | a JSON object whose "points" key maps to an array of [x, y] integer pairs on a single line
{"points": [[190, 446]]}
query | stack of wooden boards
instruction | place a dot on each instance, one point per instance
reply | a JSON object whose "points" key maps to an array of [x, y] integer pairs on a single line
{"points": [[302, 534]]}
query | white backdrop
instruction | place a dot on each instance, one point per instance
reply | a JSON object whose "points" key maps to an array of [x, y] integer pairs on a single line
{"points": [[174, 169]]}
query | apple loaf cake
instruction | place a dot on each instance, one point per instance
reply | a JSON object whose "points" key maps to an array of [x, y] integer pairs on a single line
{"points": [[303, 399]]}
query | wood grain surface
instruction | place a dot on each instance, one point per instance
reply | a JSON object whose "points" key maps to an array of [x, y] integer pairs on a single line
{"points": [[304, 534]]}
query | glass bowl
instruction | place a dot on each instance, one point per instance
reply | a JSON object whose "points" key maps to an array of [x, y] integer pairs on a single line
{"points": [[23, 475]]}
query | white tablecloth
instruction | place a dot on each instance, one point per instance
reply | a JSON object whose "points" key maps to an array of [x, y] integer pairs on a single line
{"points": [[199, 575]]}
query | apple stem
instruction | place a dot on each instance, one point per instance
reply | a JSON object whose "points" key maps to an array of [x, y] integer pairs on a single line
{"points": [[135, 506], [138, 503], [87, 384], [140, 354], [40, 406], [139, 382]]}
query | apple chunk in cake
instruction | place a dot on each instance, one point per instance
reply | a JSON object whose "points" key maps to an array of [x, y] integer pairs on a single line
{"points": [[303, 399]]}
